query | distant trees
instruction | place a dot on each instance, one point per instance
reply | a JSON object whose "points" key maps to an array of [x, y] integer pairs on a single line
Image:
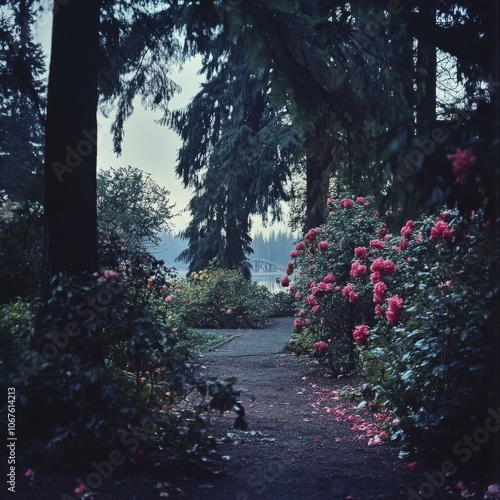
{"points": [[275, 246], [132, 206]]}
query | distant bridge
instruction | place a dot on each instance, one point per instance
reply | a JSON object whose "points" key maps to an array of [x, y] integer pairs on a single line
{"points": [[265, 266]]}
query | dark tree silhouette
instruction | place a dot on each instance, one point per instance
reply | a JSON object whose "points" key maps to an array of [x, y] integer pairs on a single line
{"points": [[70, 244]]}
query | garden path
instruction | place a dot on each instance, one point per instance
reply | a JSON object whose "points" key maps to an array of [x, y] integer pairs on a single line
{"points": [[293, 449]]}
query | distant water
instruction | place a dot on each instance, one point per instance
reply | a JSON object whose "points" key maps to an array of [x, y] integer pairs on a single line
{"points": [[269, 280]]}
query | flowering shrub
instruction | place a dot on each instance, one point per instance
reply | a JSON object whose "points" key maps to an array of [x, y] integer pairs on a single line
{"points": [[106, 358], [431, 357], [331, 299], [417, 308], [220, 298]]}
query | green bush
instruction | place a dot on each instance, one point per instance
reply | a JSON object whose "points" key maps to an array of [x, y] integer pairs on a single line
{"points": [[220, 298], [16, 326], [283, 304], [103, 362]]}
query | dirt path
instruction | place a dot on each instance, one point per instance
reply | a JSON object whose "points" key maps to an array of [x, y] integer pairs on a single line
{"points": [[294, 448]]}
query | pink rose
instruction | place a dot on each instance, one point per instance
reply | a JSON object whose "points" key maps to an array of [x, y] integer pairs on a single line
{"points": [[360, 200], [441, 230], [229, 311], [311, 301], [294, 254], [80, 490], [462, 162], [379, 292], [357, 269], [315, 309], [346, 203], [323, 245], [361, 253], [361, 334], [169, 298], [320, 346], [329, 278], [297, 324], [353, 297], [389, 267], [285, 281], [300, 245], [377, 244], [394, 309], [30, 474], [406, 231]]}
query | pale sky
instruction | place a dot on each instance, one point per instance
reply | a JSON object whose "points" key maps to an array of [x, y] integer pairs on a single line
{"points": [[148, 146]]}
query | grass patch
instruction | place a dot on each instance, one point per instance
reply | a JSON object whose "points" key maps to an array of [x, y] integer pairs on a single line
{"points": [[196, 341]]}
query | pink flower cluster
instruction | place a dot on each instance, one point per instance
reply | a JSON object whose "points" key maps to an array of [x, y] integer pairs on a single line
{"points": [[346, 203], [407, 229], [323, 245], [107, 275], [377, 244], [380, 268], [441, 231], [357, 269], [361, 334], [462, 162], [310, 237], [361, 253], [349, 291], [321, 346], [394, 309], [379, 292]]}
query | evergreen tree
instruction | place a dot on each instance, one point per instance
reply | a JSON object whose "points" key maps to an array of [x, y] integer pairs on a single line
{"points": [[236, 154], [22, 102]]}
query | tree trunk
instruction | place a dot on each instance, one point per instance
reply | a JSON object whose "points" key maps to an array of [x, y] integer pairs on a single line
{"points": [[316, 191], [70, 227], [427, 69]]}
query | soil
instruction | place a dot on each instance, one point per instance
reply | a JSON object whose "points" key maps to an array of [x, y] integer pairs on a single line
{"points": [[293, 447]]}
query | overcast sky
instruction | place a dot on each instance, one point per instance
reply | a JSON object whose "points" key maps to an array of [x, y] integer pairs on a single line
{"points": [[148, 146]]}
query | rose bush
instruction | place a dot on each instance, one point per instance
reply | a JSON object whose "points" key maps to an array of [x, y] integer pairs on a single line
{"points": [[331, 299], [416, 308]]}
